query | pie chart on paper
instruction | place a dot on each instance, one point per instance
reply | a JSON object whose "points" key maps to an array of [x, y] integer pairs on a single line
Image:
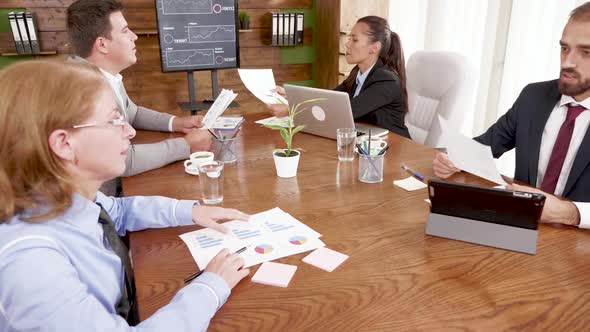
{"points": [[298, 240], [263, 249]]}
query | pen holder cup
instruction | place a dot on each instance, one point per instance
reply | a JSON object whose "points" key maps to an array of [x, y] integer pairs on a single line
{"points": [[225, 149], [371, 168]]}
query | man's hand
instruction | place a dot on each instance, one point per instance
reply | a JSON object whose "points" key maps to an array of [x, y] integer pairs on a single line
{"points": [[556, 210], [208, 216], [281, 91], [278, 110], [228, 266], [186, 123], [443, 167], [199, 140]]}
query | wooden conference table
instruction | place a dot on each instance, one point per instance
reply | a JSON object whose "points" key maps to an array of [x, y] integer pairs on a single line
{"points": [[396, 279]]}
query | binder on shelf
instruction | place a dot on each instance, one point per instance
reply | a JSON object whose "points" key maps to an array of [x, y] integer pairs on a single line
{"points": [[32, 30], [299, 29], [292, 21], [22, 28], [280, 30], [15, 33], [275, 29]]}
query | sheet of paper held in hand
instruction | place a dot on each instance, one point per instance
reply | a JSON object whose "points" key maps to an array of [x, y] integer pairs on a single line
{"points": [[261, 83], [267, 235], [470, 155], [274, 121], [219, 106]]}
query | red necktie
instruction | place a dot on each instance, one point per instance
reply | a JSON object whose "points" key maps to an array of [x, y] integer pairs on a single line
{"points": [[562, 144]]}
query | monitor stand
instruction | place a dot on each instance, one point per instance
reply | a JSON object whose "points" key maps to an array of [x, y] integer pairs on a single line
{"points": [[193, 105]]}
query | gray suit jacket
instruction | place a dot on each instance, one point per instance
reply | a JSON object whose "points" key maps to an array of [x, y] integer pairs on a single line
{"points": [[145, 157]]}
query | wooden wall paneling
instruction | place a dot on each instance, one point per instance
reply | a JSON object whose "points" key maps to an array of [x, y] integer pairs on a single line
{"points": [[357, 9], [50, 18], [49, 40], [283, 4], [163, 91], [144, 81], [35, 3], [328, 13]]}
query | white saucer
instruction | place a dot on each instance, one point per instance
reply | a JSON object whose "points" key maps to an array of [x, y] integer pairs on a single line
{"points": [[191, 171]]}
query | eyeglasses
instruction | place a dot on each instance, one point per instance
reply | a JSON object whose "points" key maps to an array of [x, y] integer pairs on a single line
{"points": [[118, 122]]}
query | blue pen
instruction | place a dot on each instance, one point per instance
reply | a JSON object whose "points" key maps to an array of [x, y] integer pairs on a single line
{"points": [[413, 172]]}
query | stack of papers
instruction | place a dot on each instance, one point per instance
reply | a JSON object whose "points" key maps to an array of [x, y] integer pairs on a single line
{"points": [[227, 122], [325, 259], [219, 106], [226, 127], [274, 121], [267, 236], [410, 184], [261, 83], [274, 274]]}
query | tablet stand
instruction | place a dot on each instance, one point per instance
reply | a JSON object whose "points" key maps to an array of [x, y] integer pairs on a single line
{"points": [[482, 232]]}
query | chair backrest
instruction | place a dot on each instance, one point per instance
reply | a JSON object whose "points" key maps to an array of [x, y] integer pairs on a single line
{"points": [[438, 84]]}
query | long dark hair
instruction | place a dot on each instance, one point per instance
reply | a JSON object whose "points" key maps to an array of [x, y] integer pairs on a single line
{"points": [[392, 53]]}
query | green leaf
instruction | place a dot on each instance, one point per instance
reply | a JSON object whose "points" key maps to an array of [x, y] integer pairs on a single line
{"points": [[297, 129], [285, 135]]}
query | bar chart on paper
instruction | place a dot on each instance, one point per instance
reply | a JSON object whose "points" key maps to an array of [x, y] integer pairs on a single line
{"points": [[277, 227], [244, 234], [205, 241]]}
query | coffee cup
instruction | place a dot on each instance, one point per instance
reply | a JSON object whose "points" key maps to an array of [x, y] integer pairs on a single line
{"points": [[196, 158]]}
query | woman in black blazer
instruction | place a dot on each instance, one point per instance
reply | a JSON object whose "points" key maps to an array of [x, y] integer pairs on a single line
{"points": [[381, 99]]}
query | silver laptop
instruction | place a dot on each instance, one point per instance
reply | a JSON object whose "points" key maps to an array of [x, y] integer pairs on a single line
{"points": [[323, 117]]}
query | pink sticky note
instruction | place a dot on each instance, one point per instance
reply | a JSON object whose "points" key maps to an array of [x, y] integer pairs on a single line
{"points": [[326, 259], [274, 274]]}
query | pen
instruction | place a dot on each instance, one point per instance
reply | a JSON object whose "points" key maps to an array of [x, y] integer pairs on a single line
{"points": [[361, 150], [383, 150], [196, 275], [413, 172], [212, 133]]}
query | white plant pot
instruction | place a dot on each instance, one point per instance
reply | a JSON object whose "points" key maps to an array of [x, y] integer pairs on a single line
{"points": [[286, 166]]}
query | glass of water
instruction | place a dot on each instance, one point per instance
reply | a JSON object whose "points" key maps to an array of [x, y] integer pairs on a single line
{"points": [[211, 179], [346, 141]]}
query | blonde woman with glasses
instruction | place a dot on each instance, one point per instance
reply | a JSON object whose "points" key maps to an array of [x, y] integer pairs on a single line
{"points": [[62, 264]]}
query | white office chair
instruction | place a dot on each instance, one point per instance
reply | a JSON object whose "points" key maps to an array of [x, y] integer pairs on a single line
{"points": [[438, 84]]}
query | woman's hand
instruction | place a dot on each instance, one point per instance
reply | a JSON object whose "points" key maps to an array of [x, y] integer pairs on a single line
{"points": [[229, 267], [209, 216]]}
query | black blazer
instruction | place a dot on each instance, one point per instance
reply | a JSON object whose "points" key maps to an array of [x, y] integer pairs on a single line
{"points": [[522, 128], [380, 101]]}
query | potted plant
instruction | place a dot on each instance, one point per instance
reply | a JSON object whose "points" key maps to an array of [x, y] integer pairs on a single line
{"points": [[244, 21], [287, 160]]}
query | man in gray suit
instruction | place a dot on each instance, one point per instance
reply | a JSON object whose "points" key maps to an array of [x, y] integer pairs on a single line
{"points": [[548, 127], [99, 34]]}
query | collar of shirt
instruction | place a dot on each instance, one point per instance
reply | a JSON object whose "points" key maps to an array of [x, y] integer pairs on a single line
{"points": [[116, 82], [82, 214], [360, 80], [569, 99]]}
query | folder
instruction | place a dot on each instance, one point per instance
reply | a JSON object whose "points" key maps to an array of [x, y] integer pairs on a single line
{"points": [[22, 28], [275, 29], [292, 18], [299, 29], [32, 30], [280, 30], [15, 34]]}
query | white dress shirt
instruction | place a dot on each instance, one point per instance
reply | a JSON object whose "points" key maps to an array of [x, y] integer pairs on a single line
{"points": [[116, 82], [360, 80], [548, 139]]}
